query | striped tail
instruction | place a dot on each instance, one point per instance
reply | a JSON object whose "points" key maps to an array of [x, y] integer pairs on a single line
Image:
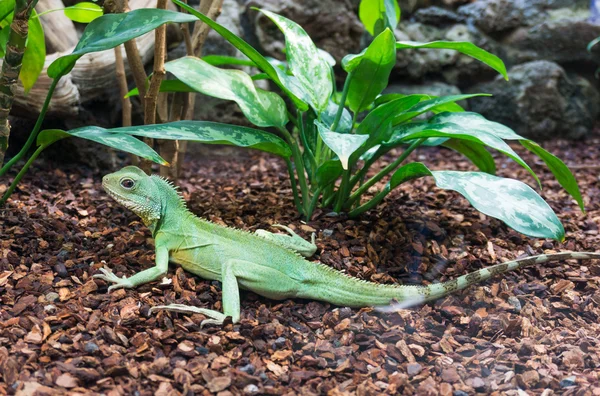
{"points": [[340, 289], [438, 290]]}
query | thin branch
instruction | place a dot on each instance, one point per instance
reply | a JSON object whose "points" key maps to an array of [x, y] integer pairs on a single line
{"points": [[123, 87], [158, 73]]}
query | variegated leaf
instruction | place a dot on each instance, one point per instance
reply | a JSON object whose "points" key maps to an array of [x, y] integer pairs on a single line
{"points": [[262, 108]]}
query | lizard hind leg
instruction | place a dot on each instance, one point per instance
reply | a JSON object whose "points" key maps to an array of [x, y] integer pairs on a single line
{"points": [[258, 278], [292, 241]]}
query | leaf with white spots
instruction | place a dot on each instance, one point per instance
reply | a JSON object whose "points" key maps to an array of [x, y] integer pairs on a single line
{"points": [[122, 142], [110, 30], [205, 132], [511, 201], [306, 63], [274, 73], [476, 122], [262, 108], [343, 144]]}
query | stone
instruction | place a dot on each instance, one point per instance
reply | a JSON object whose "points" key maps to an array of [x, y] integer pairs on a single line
{"points": [[540, 101], [456, 68]]}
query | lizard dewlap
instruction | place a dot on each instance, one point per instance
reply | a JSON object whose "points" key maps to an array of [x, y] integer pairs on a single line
{"points": [[268, 264]]}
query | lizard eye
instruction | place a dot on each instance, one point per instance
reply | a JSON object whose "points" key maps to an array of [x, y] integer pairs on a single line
{"points": [[127, 183]]}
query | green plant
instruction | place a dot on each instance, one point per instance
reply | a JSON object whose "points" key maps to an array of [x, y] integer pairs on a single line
{"points": [[318, 134], [24, 51], [319, 126]]}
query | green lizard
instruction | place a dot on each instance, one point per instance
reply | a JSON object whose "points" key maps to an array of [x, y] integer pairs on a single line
{"points": [[267, 264]]}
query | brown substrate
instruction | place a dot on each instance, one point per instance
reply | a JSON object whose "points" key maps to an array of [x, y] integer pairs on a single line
{"points": [[534, 329]]}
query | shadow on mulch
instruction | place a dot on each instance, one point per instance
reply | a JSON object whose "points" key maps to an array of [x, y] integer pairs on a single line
{"points": [[535, 330]]}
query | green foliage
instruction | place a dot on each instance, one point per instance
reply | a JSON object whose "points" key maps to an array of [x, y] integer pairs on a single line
{"points": [[111, 30], [378, 15], [327, 144], [317, 132], [84, 12]]}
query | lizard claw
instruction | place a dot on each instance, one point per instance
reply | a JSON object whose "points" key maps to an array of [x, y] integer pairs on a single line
{"points": [[108, 276]]}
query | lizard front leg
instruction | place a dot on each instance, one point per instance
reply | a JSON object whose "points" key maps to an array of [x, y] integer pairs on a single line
{"points": [[258, 278], [292, 242], [145, 276]]}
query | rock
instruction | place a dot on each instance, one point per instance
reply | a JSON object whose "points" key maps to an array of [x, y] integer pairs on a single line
{"points": [[333, 25], [493, 15], [456, 68], [413, 369], [515, 302], [540, 101], [561, 37], [437, 16], [529, 379], [569, 381], [434, 88], [450, 375]]}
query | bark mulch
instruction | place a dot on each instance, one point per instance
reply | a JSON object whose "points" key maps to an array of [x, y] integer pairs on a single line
{"points": [[535, 331]]}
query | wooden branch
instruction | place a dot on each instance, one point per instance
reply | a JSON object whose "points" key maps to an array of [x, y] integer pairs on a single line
{"points": [[123, 87], [158, 74], [11, 67], [212, 9]]}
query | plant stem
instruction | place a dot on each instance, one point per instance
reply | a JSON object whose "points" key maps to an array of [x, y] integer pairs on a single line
{"points": [[369, 204], [342, 191], [21, 173], [361, 190], [313, 203], [340, 111], [299, 168], [11, 66], [294, 185], [34, 132]]}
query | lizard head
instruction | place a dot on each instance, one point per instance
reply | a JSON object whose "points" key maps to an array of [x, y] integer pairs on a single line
{"points": [[135, 190]]}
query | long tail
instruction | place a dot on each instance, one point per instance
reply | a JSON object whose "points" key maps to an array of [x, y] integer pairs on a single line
{"points": [[353, 292]]}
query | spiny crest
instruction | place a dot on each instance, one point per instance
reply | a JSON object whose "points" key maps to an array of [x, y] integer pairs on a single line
{"points": [[172, 186]]}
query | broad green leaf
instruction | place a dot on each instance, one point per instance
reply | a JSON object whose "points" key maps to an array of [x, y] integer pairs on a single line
{"points": [[6, 7], [220, 60], [110, 30], [305, 62], [4, 33], [407, 132], [166, 86], [262, 108], [328, 173], [208, 133], [261, 62], [343, 144], [475, 152], [84, 12], [370, 70], [118, 141], [433, 105], [511, 201], [472, 120], [49, 136], [377, 15], [559, 170], [450, 106], [463, 47]]}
